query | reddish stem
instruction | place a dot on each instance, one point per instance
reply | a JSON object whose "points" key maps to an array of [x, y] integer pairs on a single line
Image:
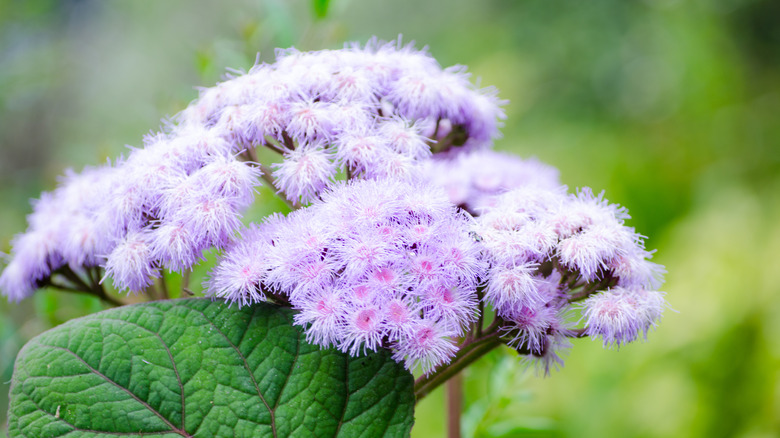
{"points": [[454, 405]]}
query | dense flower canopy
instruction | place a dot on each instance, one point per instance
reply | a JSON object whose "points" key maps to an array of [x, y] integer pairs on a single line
{"points": [[375, 263], [372, 112], [404, 227]]}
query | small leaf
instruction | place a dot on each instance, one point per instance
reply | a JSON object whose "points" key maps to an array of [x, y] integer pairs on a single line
{"points": [[198, 368], [321, 8]]}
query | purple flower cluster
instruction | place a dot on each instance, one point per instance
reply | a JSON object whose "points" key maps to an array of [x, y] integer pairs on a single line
{"points": [[618, 315], [548, 249], [429, 227], [368, 111], [473, 180], [374, 264], [371, 112], [159, 208], [66, 228]]}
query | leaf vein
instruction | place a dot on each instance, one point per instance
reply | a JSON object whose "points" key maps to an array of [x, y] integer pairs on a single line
{"points": [[170, 356], [246, 365], [130, 393]]}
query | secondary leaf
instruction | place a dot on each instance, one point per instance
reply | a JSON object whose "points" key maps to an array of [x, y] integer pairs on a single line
{"points": [[198, 368], [321, 8]]}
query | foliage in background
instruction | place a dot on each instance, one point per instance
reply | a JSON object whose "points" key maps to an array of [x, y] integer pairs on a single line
{"points": [[670, 105]]}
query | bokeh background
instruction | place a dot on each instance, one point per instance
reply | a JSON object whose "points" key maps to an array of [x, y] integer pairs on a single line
{"points": [[671, 106]]}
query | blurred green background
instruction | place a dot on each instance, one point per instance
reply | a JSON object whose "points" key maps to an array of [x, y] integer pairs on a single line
{"points": [[671, 106]]}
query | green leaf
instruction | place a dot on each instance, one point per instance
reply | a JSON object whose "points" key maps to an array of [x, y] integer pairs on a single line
{"points": [[321, 8], [199, 368]]}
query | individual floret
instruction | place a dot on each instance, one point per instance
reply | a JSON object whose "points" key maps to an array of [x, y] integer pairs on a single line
{"points": [[618, 316]]}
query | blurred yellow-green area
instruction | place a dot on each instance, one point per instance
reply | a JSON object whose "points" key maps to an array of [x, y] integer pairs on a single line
{"points": [[671, 106]]}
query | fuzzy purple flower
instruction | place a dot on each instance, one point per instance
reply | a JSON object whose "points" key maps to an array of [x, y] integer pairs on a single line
{"points": [[473, 180], [583, 234], [546, 250], [619, 315], [371, 265], [429, 230], [68, 227], [367, 111]]}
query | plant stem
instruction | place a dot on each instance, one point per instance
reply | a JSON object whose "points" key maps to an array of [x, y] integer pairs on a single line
{"points": [[456, 137], [163, 285], [590, 288], [80, 286], [151, 292], [92, 275], [454, 405], [481, 318], [105, 298], [469, 352], [99, 290], [277, 298], [474, 347], [288, 141], [266, 175], [272, 144], [74, 278], [109, 299], [249, 155], [185, 279]]}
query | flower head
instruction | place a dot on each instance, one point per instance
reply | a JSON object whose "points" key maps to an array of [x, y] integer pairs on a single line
{"points": [[546, 250], [474, 179], [356, 288], [403, 255], [620, 315]]}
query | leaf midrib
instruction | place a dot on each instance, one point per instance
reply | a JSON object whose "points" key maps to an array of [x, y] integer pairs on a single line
{"points": [[243, 359], [170, 356], [130, 393]]}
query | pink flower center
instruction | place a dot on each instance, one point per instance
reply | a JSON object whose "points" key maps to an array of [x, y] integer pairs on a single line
{"points": [[313, 270], [385, 275], [397, 312], [366, 253], [361, 292], [447, 296], [610, 310], [366, 319], [424, 335]]}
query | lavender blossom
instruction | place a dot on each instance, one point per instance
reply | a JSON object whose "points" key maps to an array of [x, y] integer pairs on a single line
{"points": [[619, 315], [368, 112], [583, 234], [130, 262], [429, 228], [90, 219], [546, 250], [356, 288], [473, 180], [305, 173], [68, 227]]}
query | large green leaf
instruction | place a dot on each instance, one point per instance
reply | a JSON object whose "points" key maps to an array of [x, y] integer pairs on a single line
{"points": [[199, 368]]}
